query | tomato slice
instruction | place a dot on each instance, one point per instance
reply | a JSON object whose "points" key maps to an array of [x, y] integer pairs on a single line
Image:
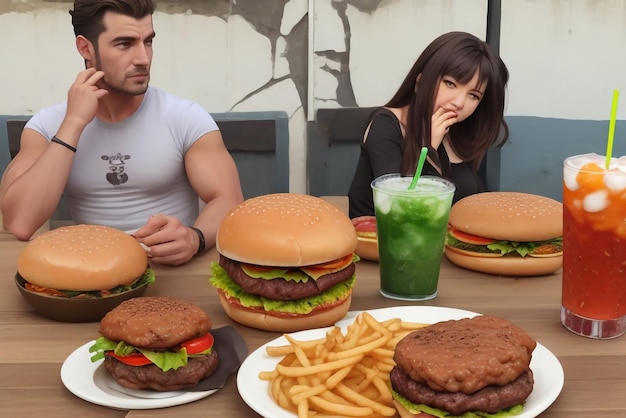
{"points": [[193, 346], [199, 344], [135, 359], [340, 262], [469, 238]]}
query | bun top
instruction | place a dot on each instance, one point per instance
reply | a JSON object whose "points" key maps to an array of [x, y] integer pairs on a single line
{"points": [[286, 229], [82, 258], [510, 216], [154, 322]]}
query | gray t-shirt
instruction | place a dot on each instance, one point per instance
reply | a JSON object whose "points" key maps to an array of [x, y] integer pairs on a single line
{"points": [[124, 172]]}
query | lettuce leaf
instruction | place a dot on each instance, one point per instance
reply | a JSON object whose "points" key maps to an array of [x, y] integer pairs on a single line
{"points": [[220, 280], [504, 247], [415, 408], [165, 360], [147, 278]]}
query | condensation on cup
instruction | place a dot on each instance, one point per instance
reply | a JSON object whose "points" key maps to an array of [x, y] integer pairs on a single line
{"points": [[593, 302]]}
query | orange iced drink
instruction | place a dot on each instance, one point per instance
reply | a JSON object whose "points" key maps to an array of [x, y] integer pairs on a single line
{"points": [[594, 246]]}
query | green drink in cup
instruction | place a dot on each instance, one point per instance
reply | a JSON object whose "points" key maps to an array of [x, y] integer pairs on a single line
{"points": [[411, 228]]}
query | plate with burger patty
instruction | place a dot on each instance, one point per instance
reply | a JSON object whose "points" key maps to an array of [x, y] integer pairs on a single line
{"points": [[153, 352], [535, 374]]}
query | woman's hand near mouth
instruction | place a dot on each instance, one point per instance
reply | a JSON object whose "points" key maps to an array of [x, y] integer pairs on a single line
{"points": [[440, 125]]}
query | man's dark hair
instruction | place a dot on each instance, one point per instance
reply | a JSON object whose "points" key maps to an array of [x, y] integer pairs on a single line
{"points": [[87, 14]]}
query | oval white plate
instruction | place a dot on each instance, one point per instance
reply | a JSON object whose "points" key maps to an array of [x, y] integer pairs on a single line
{"points": [[547, 370], [91, 382]]}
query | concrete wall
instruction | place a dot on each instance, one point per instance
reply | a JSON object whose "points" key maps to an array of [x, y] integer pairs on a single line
{"points": [[299, 56], [565, 58]]}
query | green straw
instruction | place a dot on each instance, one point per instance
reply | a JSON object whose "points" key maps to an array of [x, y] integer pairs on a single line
{"points": [[418, 170], [609, 144]]}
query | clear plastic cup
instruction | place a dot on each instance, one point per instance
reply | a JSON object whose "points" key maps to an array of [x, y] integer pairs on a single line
{"points": [[593, 302], [411, 226]]}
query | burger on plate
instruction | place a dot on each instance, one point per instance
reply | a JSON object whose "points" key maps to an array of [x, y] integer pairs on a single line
{"points": [[286, 262], [506, 233], [156, 343], [84, 261], [478, 366]]}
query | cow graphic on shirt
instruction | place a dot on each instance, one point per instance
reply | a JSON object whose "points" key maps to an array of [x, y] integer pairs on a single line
{"points": [[116, 175]]}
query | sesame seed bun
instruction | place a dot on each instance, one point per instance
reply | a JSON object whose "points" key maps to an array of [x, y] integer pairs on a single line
{"points": [[508, 265], [507, 216], [82, 258], [510, 216], [286, 229], [271, 321], [310, 236]]}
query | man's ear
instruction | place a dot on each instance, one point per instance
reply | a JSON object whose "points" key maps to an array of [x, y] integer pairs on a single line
{"points": [[86, 50]]}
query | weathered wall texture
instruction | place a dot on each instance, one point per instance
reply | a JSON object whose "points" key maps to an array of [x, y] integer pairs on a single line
{"points": [[301, 55]]}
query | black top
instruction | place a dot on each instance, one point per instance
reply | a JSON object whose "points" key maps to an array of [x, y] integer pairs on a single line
{"points": [[381, 153]]}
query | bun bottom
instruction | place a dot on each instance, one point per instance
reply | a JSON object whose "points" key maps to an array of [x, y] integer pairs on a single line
{"points": [[506, 265], [367, 248], [317, 319]]}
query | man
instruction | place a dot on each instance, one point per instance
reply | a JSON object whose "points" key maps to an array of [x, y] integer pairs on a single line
{"points": [[124, 154]]}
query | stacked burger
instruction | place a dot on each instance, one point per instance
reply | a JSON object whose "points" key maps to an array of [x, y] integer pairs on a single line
{"points": [[286, 262], [156, 343], [478, 365]]}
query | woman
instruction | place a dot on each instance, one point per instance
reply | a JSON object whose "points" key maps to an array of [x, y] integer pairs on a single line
{"points": [[452, 101]]}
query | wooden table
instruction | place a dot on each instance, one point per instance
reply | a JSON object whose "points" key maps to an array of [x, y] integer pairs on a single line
{"points": [[32, 348]]}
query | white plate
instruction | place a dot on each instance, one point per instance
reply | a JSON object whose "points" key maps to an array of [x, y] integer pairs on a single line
{"points": [[547, 370], [91, 382]]}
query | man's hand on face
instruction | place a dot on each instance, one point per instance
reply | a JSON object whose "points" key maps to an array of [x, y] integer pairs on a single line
{"points": [[83, 97], [168, 241]]}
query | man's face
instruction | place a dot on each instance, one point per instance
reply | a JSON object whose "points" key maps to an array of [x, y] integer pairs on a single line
{"points": [[124, 53]]}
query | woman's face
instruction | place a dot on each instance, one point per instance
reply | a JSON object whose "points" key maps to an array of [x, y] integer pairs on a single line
{"points": [[463, 99]]}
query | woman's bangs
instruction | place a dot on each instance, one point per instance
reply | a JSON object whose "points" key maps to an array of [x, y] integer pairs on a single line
{"points": [[463, 68]]}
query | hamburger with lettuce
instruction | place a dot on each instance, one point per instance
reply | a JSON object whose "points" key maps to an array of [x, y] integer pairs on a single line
{"points": [[286, 263], [156, 343], [83, 262], [506, 233]]}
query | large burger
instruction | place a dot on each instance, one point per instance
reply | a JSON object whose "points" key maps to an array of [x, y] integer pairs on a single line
{"points": [[84, 261], [506, 233], [286, 262], [474, 366], [156, 343]]}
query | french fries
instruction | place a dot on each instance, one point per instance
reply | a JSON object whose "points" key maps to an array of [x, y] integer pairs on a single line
{"points": [[339, 375]]}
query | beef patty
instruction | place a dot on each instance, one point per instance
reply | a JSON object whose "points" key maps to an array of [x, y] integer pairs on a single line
{"points": [[154, 322], [151, 377], [279, 288], [465, 355], [490, 399]]}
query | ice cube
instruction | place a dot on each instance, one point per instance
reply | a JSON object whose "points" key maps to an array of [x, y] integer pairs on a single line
{"points": [[382, 202], [615, 181], [569, 178], [596, 201]]}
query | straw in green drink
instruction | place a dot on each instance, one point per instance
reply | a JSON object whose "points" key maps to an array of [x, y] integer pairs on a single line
{"points": [[418, 170]]}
